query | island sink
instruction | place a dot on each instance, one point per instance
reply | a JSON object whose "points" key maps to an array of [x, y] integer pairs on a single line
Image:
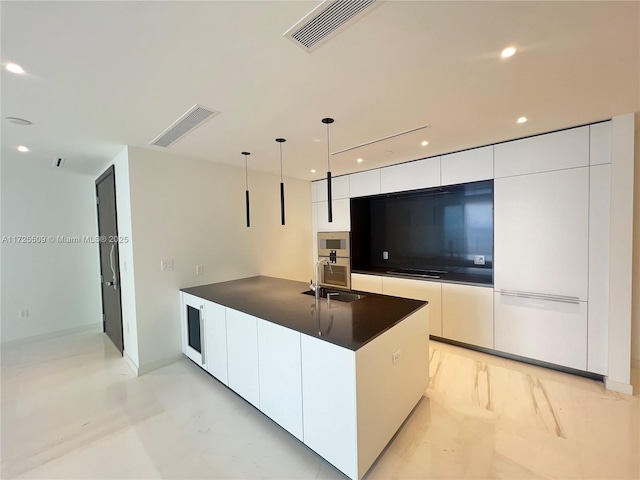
{"points": [[339, 295]]}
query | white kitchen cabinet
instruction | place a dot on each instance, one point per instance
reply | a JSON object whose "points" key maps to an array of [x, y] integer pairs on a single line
{"points": [[280, 370], [192, 316], [550, 331], [215, 345], [364, 183], [599, 243], [339, 189], [329, 391], [542, 153], [341, 216], [418, 290], [600, 143], [242, 355], [366, 283], [467, 314], [541, 233], [410, 176], [468, 166]]}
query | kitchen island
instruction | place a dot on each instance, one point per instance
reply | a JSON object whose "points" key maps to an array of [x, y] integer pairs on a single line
{"points": [[340, 376]]}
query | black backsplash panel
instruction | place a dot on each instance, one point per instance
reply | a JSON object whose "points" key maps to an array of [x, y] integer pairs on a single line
{"points": [[439, 228]]}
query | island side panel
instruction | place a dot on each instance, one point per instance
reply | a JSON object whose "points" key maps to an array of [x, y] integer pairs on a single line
{"points": [[386, 392], [329, 403]]}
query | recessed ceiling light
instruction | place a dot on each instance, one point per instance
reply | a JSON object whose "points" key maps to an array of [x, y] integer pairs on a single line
{"points": [[22, 148], [508, 52], [522, 119], [14, 68], [18, 121], [360, 160], [313, 170], [424, 143]]}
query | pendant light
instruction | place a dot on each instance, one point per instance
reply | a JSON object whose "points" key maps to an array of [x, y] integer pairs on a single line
{"points": [[281, 141], [246, 183], [327, 122]]}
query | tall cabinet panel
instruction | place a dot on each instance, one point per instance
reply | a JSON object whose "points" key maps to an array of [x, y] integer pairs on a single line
{"points": [[541, 233], [242, 355], [215, 334], [598, 327]]}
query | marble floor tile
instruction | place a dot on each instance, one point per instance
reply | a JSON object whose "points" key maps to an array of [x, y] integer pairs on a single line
{"points": [[72, 409]]}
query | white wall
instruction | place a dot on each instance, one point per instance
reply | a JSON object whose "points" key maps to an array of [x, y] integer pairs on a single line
{"points": [[192, 212], [58, 283]]}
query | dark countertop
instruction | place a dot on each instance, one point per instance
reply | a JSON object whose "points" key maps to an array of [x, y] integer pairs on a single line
{"points": [[480, 277], [349, 325]]}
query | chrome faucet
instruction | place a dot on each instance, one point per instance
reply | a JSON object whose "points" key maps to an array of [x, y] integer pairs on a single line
{"points": [[315, 287]]}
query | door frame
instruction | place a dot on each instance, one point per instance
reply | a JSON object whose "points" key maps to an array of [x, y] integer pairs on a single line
{"points": [[110, 171]]}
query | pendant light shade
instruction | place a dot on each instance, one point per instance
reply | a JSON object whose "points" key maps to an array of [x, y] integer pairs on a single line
{"points": [[246, 183], [327, 122], [281, 141]]}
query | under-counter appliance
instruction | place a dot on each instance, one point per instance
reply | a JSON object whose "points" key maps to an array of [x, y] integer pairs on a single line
{"points": [[335, 247]]}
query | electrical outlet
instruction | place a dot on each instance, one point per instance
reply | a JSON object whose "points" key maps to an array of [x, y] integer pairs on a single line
{"points": [[23, 314], [385, 255], [166, 265], [395, 358], [478, 260], [199, 269]]}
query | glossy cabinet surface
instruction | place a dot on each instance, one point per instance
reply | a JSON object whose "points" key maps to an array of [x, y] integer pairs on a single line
{"points": [[215, 333], [542, 153], [419, 290], [549, 331], [600, 143], [410, 176], [341, 216], [541, 233], [467, 314], [468, 166], [599, 242], [366, 283], [242, 355], [339, 189], [364, 183], [280, 370]]}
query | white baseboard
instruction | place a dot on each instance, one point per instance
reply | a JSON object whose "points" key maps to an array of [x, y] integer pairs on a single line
{"points": [[618, 386], [150, 367], [57, 333], [131, 363]]}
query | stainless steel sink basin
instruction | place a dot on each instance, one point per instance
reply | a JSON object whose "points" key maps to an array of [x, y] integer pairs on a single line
{"points": [[339, 295]]}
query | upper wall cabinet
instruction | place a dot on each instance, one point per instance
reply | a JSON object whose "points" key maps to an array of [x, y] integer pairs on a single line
{"points": [[468, 166], [600, 143], [543, 153], [410, 176], [339, 189], [364, 183]]}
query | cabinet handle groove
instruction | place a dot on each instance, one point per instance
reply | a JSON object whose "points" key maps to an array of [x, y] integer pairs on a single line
{"points": [[541, 296]]}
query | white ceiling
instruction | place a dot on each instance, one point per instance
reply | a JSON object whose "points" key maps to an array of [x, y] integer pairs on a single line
{"points": [[101, 75]]}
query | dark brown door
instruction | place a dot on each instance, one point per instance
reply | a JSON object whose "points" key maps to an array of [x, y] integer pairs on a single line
{"points": [[109, 257]]}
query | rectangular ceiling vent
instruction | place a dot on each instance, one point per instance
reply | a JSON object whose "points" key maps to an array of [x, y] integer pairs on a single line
{"points": [[326, 20], [193, 118]]}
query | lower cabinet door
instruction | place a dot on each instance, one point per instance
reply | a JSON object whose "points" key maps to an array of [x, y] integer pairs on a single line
{"points": [[242, 355], [329, 400], [215, 333], [366, 283], [467, 314], [550, 331], [280, 376], [418, 290]]}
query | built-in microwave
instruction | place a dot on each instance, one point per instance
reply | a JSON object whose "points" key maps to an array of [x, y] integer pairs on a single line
{"points": [[334, 243]]}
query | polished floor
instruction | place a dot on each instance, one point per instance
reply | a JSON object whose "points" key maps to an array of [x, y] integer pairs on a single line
{"points": [[71, 408]]}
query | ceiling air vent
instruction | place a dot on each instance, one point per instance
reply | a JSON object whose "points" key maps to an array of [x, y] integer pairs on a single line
{"points": [[326, 20], [193, 118]]}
